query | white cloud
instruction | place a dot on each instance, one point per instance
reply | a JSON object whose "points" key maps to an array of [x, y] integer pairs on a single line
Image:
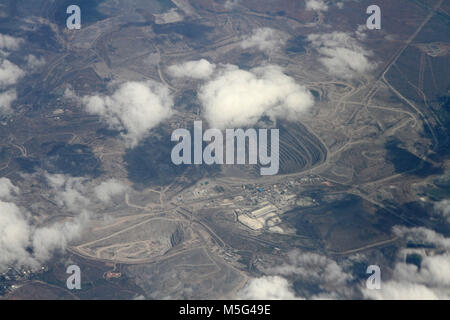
{"points": [[14, 236], [317, 270], [9, 76], [267, 288], [136, 107], [342, 55], [443, 208], [7, 189], [34, 62], [316, 5], [313, 267], [199, 69], [361, 32], [430, 281], [108, 189], [10, 43], [231, 4], [265, 39], [423, 236], [238, 98], [68, 192], [9, 73], [23, 244], [406, 281], [394, 290], [6, 100], [70, 94], [47, 240]]}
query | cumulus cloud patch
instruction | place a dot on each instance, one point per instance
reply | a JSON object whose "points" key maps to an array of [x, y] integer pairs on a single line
{"points": [[410, 283], [443, 209], [265, 39], [394, 290], [68, 192], [34, 62], [230, 4], [21, 243], [10, 43], [342, 55], [316, 5], [47, 240], [423, 236], [135, 107], [14, 236], [361, 32], [311, 269], [267, 288], [109, 189], [315, 269], [429, 280], [7, 189], [6, 100], [9, 73], [198, 69], [238, 98]]}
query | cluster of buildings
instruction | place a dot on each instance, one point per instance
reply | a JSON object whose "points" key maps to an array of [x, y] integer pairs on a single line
{"points": [[257, 206], [266, 216], [12, 276], [261, 207]]}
